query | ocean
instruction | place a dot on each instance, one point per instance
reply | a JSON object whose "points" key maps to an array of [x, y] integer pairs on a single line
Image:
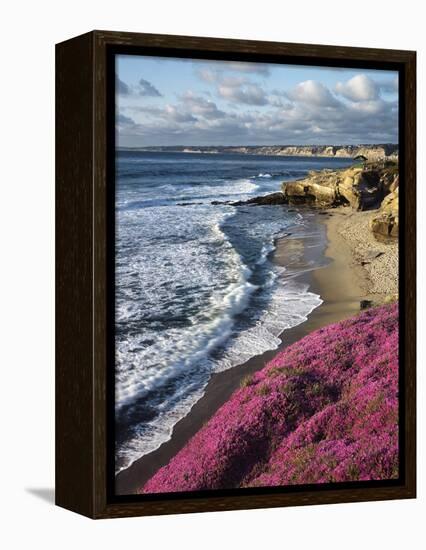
{"points": [[196, 291]]}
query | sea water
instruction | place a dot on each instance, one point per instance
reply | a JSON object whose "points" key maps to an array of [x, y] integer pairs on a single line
{"points": [[196, 291]]}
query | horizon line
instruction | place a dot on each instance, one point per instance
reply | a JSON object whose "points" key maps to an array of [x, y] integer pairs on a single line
{"points": [[267, 145]]}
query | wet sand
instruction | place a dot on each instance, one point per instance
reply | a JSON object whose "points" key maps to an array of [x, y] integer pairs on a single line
{"points": [[341, 285]]}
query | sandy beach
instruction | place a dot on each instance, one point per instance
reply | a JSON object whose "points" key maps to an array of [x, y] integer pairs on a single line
{"points": [[376, 261], [351, 274]]}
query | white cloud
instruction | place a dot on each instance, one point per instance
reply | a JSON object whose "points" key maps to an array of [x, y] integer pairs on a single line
{"points": [[235, 88], [190, 108], [358, 88], [373, 107], [200, 106], [313, 93], [177, 115], [248, 94]]}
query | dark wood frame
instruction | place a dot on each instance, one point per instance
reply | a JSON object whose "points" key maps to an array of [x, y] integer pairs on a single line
{"points": [[82, 269]]}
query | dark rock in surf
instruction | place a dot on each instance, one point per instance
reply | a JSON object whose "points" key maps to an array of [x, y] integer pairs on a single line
{"points": [[272, 199]]}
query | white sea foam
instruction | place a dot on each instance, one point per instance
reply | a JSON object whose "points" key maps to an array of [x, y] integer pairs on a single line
{"points": [[289, 306], [179, 350]]}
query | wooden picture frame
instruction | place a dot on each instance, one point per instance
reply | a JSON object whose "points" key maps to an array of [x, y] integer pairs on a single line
{"points": [[84, 346]]}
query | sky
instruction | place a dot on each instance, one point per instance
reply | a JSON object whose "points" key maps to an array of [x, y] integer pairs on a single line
{"points": [[169, 101]]}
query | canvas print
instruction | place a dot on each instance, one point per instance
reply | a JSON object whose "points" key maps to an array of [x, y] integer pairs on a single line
{"points": [[256, 275]]}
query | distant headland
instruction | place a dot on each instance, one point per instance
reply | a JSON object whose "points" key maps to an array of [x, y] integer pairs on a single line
{"points": [[369, 151]]}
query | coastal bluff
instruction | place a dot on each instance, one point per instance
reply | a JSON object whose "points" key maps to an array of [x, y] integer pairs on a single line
{"points": [[370, 152]]}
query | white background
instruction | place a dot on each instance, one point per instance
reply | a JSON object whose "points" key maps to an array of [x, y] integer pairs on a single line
{"points": [[29, 32]]}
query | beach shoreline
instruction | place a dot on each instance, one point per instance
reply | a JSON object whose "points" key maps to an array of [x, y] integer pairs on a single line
{"points": [[342, 283]]}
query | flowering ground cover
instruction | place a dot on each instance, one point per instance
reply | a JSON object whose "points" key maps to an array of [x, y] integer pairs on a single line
{"points": [[325, 409]]}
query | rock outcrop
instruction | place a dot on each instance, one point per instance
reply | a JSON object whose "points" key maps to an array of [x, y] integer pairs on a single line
{"points": [[386, 223], [271, 199], [361, 187]]}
